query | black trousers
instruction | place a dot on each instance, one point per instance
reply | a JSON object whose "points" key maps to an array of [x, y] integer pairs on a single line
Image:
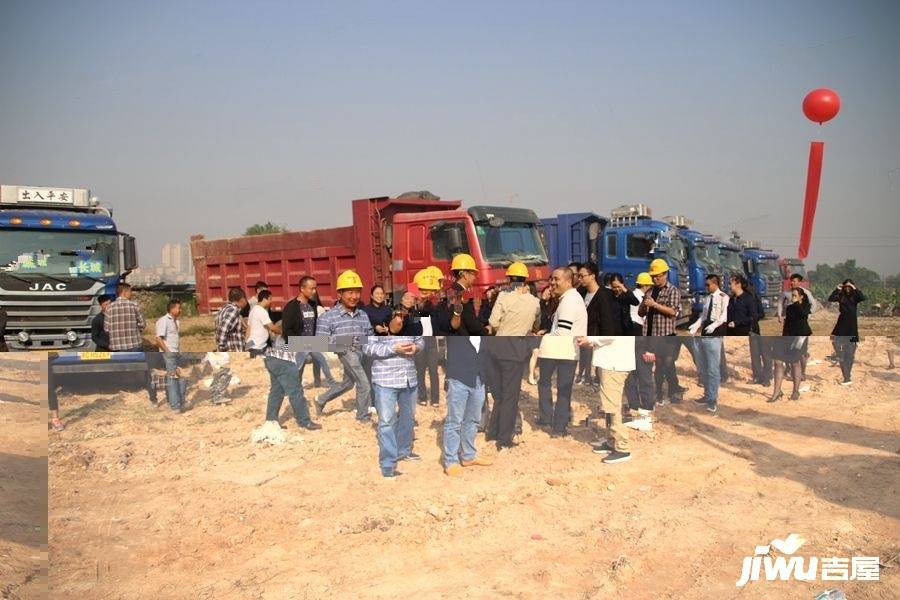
{"points": [[556, 414], [506, 389], [427, 361], [585, 358], [639, 386], [846, 353], [666, 350], [761, 358]]}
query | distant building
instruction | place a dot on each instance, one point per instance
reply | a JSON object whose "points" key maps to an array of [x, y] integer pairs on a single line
{"points": [[176, 257], [176, 267]]}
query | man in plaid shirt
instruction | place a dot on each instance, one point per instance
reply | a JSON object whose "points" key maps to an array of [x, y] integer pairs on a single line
{"points": [[124, 322], [661, 307], [394, 385], [229, 326]]}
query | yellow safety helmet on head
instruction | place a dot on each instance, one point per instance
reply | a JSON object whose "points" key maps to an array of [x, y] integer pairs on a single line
{"points": [[463, 262], [434, 271], [517, 269], [349, 280], [644, 279], [426, 280], [658, 267]]}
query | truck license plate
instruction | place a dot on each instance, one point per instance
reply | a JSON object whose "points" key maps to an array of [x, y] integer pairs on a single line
{"points": [[95, 355]]}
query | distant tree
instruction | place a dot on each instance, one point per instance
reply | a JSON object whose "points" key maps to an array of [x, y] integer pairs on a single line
{"points": [[892, 281], [264, 229]]}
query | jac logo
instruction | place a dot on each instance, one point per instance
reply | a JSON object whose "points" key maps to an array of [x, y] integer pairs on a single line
{"points": [[48, 287]]}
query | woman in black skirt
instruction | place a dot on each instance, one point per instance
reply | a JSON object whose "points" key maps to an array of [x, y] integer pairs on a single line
{"points": [[791, 348]]}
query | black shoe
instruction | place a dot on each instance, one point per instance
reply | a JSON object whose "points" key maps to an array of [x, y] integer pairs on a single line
{"points": [[559, 434], [775, 397], [712, 409], [388, 474], [412, 456], [490, 438], [312, 426], [320, 408], [700, 401], [506, 446], [603, 448], [617, 457]]}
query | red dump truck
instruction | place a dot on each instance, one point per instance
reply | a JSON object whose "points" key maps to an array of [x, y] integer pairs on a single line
{"points": [[788, 267], [390, 239]]}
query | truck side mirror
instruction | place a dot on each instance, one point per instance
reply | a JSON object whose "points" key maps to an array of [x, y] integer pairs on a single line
{"points": [[129, 253]]}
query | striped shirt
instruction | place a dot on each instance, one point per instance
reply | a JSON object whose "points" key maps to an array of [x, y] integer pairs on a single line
{"points": [[229, 329], [124, 323], [341, 322], [279, 350], [571, 315], [657, 323], [389, 369]]}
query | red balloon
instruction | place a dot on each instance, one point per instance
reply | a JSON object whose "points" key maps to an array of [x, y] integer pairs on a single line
{"points": [[821, 105]]}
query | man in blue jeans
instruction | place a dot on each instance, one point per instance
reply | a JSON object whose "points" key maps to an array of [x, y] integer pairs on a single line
{"points": [[282, 367], [466, 369], [711, 326], [394, 385]]}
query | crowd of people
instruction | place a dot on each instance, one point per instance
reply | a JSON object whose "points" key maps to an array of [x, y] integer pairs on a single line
{"points": [[584, 328]]}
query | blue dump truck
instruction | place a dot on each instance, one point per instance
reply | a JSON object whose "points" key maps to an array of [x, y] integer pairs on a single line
{"points": [[730, 258], [703, 259], [762, 269], [624, 243], [59, 251]]}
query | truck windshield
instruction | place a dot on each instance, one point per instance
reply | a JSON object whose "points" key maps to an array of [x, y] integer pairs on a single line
{"points": [[794, 268], [69, 253], [511, 242], [769, 268], [731, 260], [708, 257], [676, 249]]}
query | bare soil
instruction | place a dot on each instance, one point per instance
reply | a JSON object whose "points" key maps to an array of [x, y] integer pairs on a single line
{"points": [[145, 503], [23, 478]]}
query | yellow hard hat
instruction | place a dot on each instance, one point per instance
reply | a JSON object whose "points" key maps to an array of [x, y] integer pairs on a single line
{"points": [[349, 280], [517, 269], [463, 262], [658, 267], [437, 273], [426, 280], [644, 279]]}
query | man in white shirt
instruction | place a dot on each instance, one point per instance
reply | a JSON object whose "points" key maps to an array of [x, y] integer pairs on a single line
{"points": [[711, 325], [169, 340], [614, 355], [558, 353], [260, 325]]}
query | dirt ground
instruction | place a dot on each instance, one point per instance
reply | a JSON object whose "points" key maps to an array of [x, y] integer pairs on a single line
{"points": [[23, 478], [148, 503]]}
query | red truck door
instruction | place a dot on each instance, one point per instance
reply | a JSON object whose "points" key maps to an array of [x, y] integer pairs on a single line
{"points": [[419, 243]]}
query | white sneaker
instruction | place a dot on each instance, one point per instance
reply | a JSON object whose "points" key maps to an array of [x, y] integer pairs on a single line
{"points": [[804, 389], [846, 383], [640, 424]]}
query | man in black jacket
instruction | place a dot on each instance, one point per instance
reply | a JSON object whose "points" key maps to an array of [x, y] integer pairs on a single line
{"points": [[466, 376], [508, 356], [98, 335], [3, 317], [300, 318], [463, 319]]}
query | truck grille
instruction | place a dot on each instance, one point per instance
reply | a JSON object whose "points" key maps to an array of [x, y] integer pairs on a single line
{"points": [[48, 317]]}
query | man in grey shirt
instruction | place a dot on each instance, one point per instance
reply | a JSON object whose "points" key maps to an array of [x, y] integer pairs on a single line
{"points": [[168, 339]]}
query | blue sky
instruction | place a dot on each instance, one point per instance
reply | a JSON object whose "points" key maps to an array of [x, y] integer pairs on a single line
{"points": [[206, 117]]}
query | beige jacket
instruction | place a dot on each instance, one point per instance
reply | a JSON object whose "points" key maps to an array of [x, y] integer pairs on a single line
{"points": [[515, 314]]}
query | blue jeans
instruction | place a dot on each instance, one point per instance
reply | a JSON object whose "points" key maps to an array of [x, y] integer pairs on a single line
{"points": [[283, 381], [320, 360], [176, 387], [396, 415], [354, 374], [464, 405], [709, 354]]}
